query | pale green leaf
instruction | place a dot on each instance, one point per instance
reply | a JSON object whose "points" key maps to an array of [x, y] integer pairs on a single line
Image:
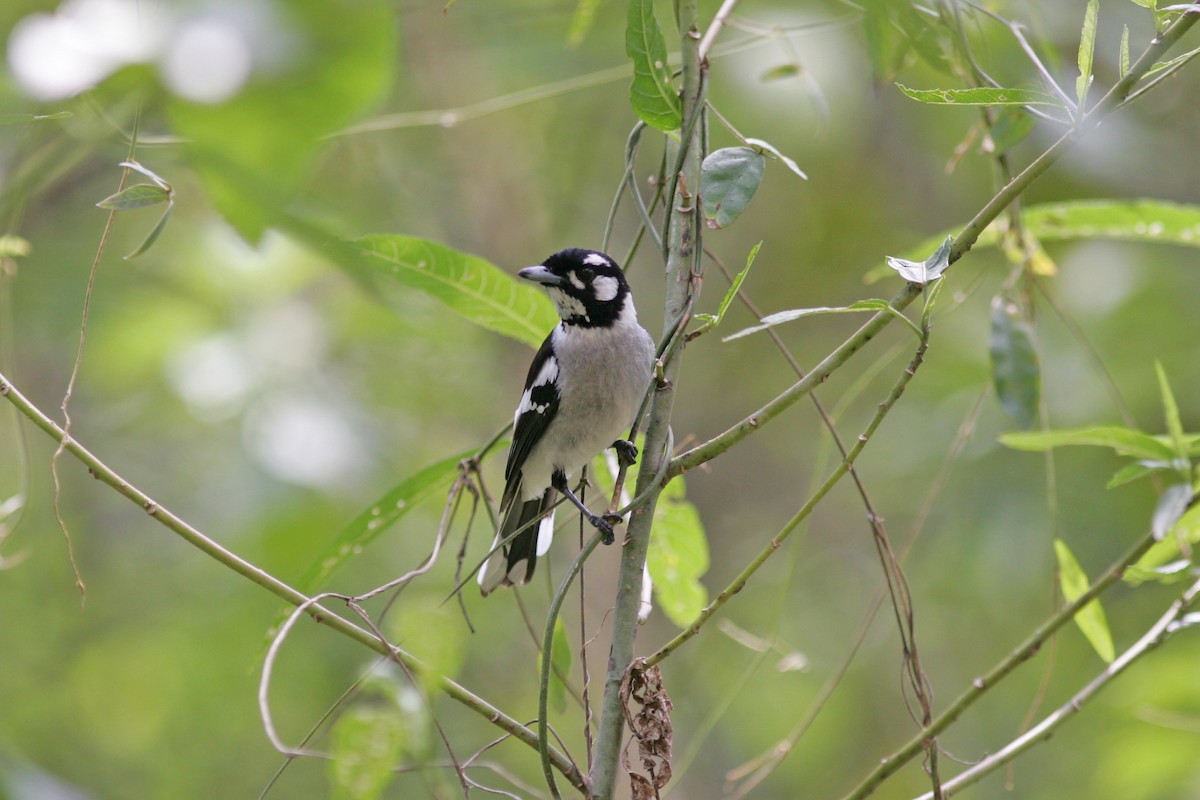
{"points": [[981, 96], [1136, 471], [1090, 619], [1087, 48], [367, 742], [13, 246], [1125, 441], [1141, 220], [1124, 57], [140, 195], [433, 630], [1174, 425], [582, 21], [153, 235], [713, 320], [678, 556], [560, 660], [469, 285], [378, 517], [1016, 369], [774, 152], [780, 72], [729, 177], [653, 99]]}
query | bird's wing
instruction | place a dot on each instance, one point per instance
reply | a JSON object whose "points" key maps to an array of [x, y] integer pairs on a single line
{"points": [[538, 406]]}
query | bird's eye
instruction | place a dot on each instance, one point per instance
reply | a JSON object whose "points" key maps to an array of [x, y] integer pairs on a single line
{"points": [[586, 273]]}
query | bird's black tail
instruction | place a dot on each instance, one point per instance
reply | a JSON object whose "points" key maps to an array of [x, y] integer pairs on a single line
{"points": [[520, 554]]}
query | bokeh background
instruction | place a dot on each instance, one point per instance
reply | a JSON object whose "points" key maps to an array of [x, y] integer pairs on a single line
{"points": [[258, 390]]}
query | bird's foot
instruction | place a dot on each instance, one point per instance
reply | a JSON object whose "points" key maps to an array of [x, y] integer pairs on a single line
{"points": [[605, 526], [627, 452]]}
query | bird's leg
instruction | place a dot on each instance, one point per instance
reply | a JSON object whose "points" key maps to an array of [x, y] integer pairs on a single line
{"points": [[627, 452], [559, 482]]}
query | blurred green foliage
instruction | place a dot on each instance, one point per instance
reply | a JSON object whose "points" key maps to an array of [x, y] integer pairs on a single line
{"points": [[242, 376]]}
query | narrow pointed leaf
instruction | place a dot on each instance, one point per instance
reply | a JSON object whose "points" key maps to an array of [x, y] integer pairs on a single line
{"points": [[1136, 471], [1125, 441], [780, 317], [981, 96], [713, 320], [729, 177], [472, 287], [1174, 425], [653, 99], [678, 556], [1087, 48], [1090, 619], [140, 195], [772, 150], [560, 658], [153, 235], [378, 517], [1124, 58], [1016, 370]]}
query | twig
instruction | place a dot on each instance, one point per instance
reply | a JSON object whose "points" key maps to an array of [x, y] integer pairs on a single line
{"points": [[1166, 625], [277, 587], [714, 28], [1017, 656]]}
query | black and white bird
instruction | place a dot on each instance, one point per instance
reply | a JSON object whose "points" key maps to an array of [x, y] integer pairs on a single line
{"points": [[584, 388]]}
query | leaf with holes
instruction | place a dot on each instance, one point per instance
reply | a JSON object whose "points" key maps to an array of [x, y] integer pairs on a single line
{"points": [[471, 286], [729, 177], [981, 96]]}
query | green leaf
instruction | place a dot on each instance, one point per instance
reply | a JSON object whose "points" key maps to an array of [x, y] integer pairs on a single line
{"points": [[1184, 534], [1125, 441], [678, 556], [1087, 48], [560, 660], [472, 287], [1140, 220], [19, 119], [982, 96], [1136, 471], [780, 317], [433, 630], [13, 246], [253, 152], [713, 320], [922, 272], [153, 235], [780, 72], [653, 99], [1011, 127], [1124, 58], [729, 177], [378, 517], [1016, 370], [367, 744], [582, 21], [1090, 619], [1174, 425], [140, 195]]}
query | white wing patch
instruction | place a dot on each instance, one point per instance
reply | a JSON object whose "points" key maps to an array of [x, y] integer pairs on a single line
{"points": [[545, 534], [605, 288], [596, 260]]}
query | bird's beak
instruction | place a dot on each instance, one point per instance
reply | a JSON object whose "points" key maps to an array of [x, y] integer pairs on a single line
{"points": [[540, 274]]}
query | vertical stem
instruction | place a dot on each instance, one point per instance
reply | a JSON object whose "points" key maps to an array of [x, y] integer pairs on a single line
{"points": [[683, 258]]}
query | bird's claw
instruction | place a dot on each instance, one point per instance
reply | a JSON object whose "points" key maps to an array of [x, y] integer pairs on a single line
{"points": [[605, 526], [627, 452]]}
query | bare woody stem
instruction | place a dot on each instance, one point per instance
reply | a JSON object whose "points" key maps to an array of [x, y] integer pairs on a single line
{"points": [[962, 244], [285, 592], [683, 259]]}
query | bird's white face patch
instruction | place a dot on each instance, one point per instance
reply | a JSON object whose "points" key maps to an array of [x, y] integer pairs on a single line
{"points": [[567, 306], [605, 288], [596, 260], [574, 279]]}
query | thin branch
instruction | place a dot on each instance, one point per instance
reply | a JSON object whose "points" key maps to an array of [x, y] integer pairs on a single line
{"points": [[1158, 633], [1024, 651], [277, 587]]}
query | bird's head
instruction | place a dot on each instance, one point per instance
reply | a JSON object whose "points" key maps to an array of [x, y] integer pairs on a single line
{"points": [[587, 287]]}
